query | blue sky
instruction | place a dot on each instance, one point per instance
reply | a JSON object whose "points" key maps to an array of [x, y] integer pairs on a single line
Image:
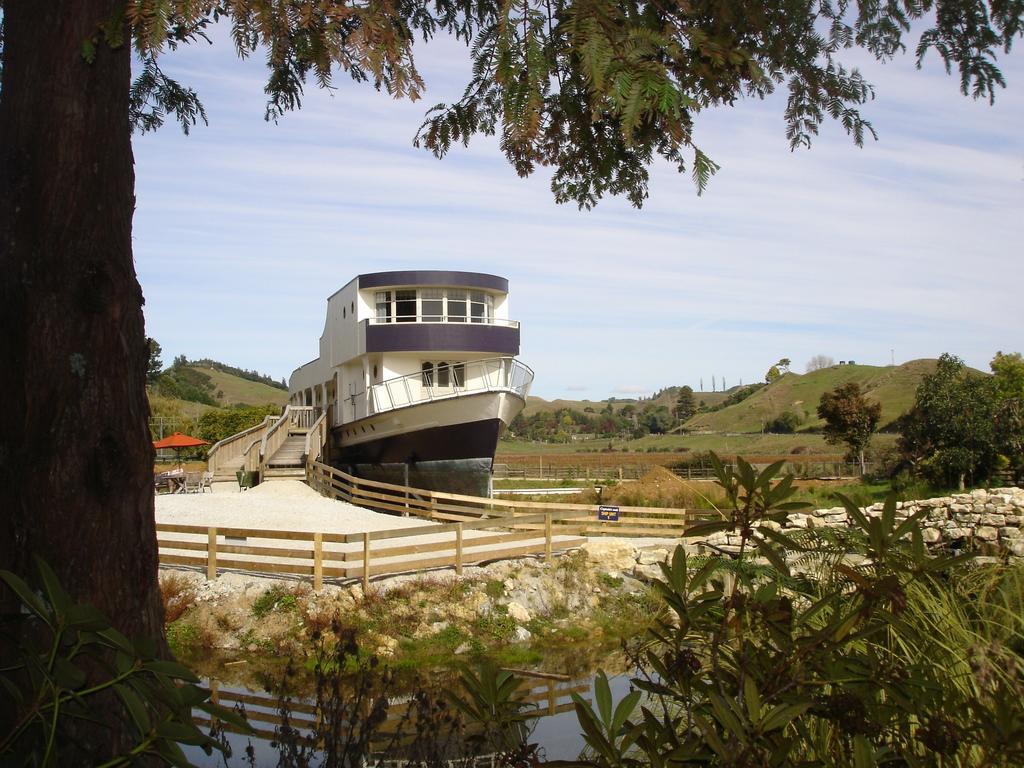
{"points": [[907, 248]]}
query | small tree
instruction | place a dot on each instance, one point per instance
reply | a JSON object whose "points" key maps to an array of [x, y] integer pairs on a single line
{"points": [[818, 362], [772, 375], [784, 364], [686, 404], [850, 418], [155, 365], [950, 433], [1008, 371]]}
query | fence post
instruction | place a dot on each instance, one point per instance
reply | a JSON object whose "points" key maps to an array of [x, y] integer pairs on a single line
{"points": [[366, 561], [547, 537], [211, 553], [318, 561], [458, 549], [620, 473]]}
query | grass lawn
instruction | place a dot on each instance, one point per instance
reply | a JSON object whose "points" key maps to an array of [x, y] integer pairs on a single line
{"points": [[725, 444]]}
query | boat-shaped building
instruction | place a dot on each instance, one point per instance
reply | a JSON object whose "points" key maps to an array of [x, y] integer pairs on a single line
{"points": [[419, 377]]}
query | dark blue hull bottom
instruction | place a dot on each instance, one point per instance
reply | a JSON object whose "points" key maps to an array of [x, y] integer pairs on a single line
{"points": [[454, 459]]}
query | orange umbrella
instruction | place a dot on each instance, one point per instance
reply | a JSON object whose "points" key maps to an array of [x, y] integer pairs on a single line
{"points": [[177, 441]]}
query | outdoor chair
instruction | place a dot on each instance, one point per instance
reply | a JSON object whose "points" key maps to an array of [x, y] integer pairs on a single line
{"points": [[206, 482], [193, 482]]}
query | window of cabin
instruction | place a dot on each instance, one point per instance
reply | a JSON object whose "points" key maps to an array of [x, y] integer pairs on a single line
{"points": [[456, 306], [427, 374], [481, 306], [443, 375], [458, 374], [432, 305], [405, 306], [383, 299]]}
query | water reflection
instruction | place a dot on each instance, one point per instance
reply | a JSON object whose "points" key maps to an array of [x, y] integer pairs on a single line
{"points": [[372, 718]]}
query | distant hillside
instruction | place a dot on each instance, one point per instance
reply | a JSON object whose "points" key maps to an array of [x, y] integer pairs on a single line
{"points": [[231, 390], [893, 387], [666, 397]]}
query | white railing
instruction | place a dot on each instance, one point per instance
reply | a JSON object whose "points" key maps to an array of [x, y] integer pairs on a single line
{"points": [[449, 320], [497, 374]]}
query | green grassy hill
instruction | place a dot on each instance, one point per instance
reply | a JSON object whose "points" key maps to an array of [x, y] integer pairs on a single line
{"points": [[170, 413], [893, 387], [230, 389]]}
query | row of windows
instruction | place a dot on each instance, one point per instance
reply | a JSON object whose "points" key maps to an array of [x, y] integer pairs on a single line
{"points": [[434, 305], [443, 374]]}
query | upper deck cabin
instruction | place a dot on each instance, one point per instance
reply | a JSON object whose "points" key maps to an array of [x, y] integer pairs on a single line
{"points": [[425, 326]]}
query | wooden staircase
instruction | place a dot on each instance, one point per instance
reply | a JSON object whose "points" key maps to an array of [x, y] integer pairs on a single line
{"points": [[276, 449], [288, 461]]}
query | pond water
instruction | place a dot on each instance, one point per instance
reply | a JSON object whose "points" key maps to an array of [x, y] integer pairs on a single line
{"points": [[552, 727]]}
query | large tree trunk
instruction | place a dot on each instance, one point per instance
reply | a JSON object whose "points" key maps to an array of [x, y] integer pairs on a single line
{"points": [[75, 455]]}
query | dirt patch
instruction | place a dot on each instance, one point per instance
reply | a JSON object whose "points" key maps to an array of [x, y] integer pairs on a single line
{"points": [[661, 488]]}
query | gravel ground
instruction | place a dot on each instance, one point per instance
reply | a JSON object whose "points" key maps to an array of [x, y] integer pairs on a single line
{"points": [[282, 505]]}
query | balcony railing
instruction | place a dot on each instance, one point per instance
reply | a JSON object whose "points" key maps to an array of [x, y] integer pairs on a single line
{"points": [[445, 320], [497, 374]]}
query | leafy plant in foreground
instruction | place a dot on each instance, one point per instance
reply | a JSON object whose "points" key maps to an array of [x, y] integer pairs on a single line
{"points": [[70, 664], [850, 647]]}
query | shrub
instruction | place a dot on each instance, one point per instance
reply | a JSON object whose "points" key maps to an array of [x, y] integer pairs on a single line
{"points": [[178, 594], [852, 647], [274, 599]]}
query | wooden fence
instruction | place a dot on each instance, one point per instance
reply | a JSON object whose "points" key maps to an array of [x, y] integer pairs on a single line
{"points": [[465, 530], [577, 519], [355, 555], [549, 697], [511, 469]]}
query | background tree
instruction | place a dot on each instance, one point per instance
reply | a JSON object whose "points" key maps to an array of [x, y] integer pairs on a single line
{"points": [[950, 432], [1008, 374], [592, 90], [784, 364], [818, 362], [686, 404], [850, 418], [155, 366], [1008, 371], [773, 375]]}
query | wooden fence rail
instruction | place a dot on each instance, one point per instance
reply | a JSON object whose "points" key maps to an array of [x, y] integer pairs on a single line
{"points": [[465, 530], [579, 519]]}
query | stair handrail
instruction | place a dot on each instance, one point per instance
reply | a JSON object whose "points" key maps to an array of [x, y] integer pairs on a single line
{"points": [[251, 456], [233, 446], [275, 436], [315, 439]]}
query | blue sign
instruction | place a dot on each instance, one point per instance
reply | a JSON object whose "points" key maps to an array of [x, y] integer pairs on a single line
{"points": [[607, 513]]}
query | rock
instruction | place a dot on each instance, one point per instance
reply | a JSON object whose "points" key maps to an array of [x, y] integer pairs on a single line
{"points": [[986, 533], [1010, 533], [931, 535], [647, 572], [522, 635], [463, 649], [518, 612], [995, 521], [610, 553], [652, 556], [1016, 547]]}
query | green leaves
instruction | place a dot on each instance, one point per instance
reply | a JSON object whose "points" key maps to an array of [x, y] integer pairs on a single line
{"points": [[71, 665]]}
